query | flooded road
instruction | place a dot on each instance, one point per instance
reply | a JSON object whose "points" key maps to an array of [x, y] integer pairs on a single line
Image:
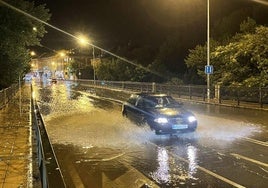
{"points": [[97, 147]]}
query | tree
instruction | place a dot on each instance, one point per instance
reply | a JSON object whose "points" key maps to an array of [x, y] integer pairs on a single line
{"points": [[228, 26], [117, 70], [171, 54], [245, 60], [196, 62], [16, 36]]}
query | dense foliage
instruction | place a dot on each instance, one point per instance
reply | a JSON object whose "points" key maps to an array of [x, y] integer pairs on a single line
{"points": [[242, 61], [16, 36]]}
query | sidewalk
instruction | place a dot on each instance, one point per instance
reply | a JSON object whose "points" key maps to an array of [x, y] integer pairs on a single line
{"points": [[16, 142]]}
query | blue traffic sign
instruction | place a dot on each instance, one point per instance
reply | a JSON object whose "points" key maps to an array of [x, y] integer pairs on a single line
{"points": [[208, 69]]}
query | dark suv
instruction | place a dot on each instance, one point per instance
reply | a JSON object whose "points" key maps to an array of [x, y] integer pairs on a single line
{"points": [[161, 112]]}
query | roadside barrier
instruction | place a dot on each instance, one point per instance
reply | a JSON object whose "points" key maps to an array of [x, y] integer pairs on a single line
{"points": [[249, 97], [50, 172]]}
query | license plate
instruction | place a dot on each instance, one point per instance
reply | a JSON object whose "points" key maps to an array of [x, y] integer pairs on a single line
{"points": [[182, 126]]}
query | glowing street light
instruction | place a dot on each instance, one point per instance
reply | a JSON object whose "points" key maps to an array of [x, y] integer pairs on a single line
{"points": [[62, 54], [32, 53], [83, 40]]}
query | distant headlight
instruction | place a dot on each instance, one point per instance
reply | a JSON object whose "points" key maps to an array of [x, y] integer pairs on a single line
{"points": [[191, 119], [161, 120]]}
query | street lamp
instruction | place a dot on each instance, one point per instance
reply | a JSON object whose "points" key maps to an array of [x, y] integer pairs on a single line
{"points": [[62, 55], [32, 53], [85, 41], [208, 53]]}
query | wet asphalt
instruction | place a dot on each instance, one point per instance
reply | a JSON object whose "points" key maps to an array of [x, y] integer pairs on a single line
{"points": [[97, 147]]}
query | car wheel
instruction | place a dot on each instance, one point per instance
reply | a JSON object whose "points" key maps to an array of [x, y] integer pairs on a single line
{"points": [[124, 113]]}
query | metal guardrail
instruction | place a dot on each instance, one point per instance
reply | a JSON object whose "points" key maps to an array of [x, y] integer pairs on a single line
{"points": [[7, 94], [234, 96], [50, 172]]}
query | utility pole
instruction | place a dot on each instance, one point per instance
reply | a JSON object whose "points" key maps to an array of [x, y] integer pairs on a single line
{"points": [[208, 52]]}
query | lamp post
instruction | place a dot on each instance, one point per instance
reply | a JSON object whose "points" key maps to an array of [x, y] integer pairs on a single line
{"points": [[208, 52], [85, 41], [62, 57], [93, 64]]}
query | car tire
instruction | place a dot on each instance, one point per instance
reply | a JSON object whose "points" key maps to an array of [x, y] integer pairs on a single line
{"points": [[124, 113]]}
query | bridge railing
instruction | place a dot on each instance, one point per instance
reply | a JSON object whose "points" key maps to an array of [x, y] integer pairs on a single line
{"points": [[234, 96], [50, 172]]}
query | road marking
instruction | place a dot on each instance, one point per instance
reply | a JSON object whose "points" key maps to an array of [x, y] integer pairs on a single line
{"points": [[207, 171], [104, 159], [131, 178], [255, 141], [112, 158], [220, 177], [249, 159]]}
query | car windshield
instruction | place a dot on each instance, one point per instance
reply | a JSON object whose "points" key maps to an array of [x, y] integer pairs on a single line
{"points": [[161, 101]]}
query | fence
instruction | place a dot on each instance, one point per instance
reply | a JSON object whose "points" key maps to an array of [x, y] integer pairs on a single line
{"points": [[234, 96], [7, 94], [244, 95]]}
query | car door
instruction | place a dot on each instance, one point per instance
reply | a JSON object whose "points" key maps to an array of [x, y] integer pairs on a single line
{"points": [[129, 107], [139, 110]]}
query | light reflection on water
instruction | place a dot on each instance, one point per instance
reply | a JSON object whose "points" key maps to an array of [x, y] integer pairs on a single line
{"points": [[162, 172], [170, 172], [191, 155], [60, 100]]}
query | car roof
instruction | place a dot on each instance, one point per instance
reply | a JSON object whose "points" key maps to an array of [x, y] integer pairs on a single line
{"points": [[152, 94]]}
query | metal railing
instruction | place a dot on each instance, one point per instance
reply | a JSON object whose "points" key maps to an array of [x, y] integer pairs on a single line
{"points": [[234, 96], [244, 95], [7, 94], [50, 172]]}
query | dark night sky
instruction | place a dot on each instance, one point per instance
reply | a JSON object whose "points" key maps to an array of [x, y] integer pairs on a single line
{"points": [[113, 22]]}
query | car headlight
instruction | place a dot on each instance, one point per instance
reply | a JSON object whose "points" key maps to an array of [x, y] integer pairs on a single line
{"points": [[191, 119], [161, 120]]}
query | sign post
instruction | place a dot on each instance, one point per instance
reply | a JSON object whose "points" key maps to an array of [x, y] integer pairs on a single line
{"points": [[209, 69]]}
